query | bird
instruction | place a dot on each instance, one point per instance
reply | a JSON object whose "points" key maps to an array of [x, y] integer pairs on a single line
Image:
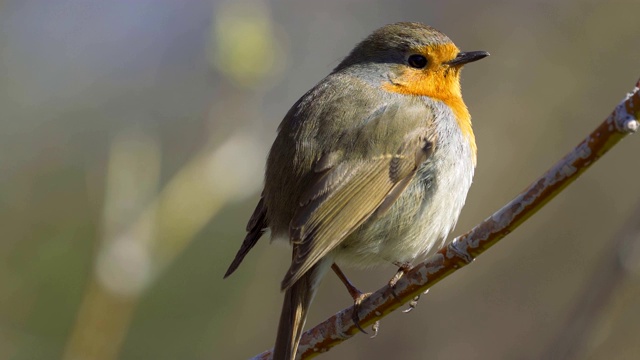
{"points": [[372, 166]]}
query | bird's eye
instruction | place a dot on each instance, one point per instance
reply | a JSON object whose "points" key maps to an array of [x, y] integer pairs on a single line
{"points": [[417, 61]]}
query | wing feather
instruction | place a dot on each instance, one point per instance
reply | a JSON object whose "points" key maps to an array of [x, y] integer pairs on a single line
{"points": [[346, 194]]}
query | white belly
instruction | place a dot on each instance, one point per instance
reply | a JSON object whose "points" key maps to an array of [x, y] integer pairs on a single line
{"points": [[423, 215]]}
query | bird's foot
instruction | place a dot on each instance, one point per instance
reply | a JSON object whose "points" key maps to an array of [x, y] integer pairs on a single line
{"points": [[403, 268], [375, 327], [357, 296], [413, 303], [357, 303]]}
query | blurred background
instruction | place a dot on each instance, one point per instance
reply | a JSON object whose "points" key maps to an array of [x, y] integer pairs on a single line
{"points": [[133, 136]]}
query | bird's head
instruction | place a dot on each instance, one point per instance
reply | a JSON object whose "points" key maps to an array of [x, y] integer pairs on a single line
{"points": [[411, 58]]}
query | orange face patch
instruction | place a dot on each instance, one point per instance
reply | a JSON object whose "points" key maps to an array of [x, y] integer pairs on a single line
{"points": [[437, 81]]}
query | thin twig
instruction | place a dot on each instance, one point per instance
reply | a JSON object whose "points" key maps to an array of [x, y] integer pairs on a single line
{"points": [[464, 249]]}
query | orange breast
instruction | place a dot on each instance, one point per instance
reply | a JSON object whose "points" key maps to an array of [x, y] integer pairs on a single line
{"points": [[437, 82]]}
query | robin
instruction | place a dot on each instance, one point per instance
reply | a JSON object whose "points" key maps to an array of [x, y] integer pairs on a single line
{"points": [[371, 166]]}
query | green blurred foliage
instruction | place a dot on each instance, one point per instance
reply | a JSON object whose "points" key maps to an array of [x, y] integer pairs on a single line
{"points": [[194, 76]]}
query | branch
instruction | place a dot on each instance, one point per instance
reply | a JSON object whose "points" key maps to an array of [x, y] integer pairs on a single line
{"points": [[464, 249]]}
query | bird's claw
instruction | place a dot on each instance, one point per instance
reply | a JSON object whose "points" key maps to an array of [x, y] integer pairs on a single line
{"points": [[375, 327], [357, 302], [413, 303], [403, 268]]}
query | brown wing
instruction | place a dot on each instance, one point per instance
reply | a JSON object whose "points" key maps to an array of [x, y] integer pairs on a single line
{"points": [[346, 194]]}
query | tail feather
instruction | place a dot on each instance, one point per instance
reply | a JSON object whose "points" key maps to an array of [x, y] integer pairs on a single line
{"points": [[256, 227], [249, 242], [297, 300]]}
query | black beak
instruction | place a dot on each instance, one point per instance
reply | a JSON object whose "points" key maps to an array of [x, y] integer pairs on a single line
{"points": [[467, 57]]}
